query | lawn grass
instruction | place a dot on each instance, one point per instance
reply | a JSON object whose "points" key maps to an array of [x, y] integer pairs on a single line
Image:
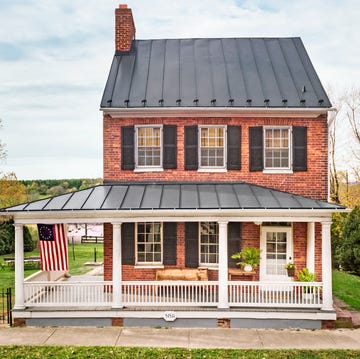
{"points": [[347, 287], [83, 253], [168, 353]]}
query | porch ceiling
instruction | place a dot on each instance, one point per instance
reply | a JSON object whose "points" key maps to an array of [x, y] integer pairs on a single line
{"points": [[150, 197]]}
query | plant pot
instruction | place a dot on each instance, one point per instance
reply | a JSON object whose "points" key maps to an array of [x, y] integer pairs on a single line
{"points": [[291, 272], [248, 268]]}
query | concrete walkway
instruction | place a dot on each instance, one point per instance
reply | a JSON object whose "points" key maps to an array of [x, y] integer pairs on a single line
{"points": [[186, 338]]}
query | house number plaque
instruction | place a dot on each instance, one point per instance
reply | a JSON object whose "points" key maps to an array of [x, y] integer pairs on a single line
{"points": [[169, 316]]}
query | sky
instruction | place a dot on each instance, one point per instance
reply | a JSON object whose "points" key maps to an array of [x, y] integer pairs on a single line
{"points": [[55, 57]]}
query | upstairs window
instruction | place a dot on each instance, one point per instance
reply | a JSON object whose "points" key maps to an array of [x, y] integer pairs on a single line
{"points": [[212, 152], [277, 148], [148, 146]]}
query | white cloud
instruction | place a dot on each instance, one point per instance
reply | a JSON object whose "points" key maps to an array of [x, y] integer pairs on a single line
{"points": [[55, 57]]}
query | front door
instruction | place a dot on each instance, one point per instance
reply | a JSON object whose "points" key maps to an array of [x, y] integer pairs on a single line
{"points": [[276, 251]]}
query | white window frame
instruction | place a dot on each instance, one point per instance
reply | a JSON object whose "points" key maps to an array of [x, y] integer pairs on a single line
{"points": [[142, 168], [212, 168], [287, 169], [157, 263], [204, 264]]}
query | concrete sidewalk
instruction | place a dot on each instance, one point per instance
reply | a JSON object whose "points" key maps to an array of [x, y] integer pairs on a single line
{"points": [[186, 338]]}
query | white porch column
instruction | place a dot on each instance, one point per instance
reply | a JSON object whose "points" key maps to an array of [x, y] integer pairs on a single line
{"points": [[116, 266], [310, 248], [19, 267], [326, 266], [223, 265]]}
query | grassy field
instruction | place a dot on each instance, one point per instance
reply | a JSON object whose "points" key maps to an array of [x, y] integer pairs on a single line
{"points": [[83, 253], [172, 353], [347, 288]]}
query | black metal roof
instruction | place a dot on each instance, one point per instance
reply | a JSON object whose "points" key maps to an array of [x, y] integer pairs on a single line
{"points": [[237, 72], [160, 196]]}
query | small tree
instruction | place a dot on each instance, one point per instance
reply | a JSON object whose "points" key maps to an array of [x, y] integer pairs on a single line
{"points": [[348, 252]]}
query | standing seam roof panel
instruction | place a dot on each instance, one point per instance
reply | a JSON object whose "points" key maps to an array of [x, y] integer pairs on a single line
{"points": [[140, 75], [115, 197], [108, 94], [219, 74], [281, 70], [171, 73], [266, 73], [188, 73]]}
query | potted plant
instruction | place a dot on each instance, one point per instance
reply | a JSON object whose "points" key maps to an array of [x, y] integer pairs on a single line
{"points": [[304, 275], [290, 267], [249, 258]]}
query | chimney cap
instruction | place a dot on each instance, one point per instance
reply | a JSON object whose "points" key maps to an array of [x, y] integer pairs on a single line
{"points": [[123, 6]]}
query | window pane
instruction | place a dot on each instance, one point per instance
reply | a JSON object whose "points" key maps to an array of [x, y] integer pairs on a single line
{"points": [[276, 148], [209, 242], [149, 243], [212, 143], [148, 146]]}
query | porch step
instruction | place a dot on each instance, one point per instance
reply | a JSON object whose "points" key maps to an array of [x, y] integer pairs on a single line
{"points": [[355, 319], [344, 318]]}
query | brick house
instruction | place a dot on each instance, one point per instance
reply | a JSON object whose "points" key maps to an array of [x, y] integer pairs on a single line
{"points": [[210, 146]]}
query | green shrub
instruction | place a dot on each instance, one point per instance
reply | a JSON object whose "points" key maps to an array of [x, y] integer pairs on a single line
{"points": [[348, 252]]}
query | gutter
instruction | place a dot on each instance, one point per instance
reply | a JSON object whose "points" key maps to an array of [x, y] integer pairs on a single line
{"points": [[215, 111]]}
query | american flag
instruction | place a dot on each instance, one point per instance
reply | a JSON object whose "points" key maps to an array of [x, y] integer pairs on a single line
{"points": [[53, 247]]}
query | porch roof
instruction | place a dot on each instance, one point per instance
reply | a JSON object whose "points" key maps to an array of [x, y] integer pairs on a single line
{"points": [[174, 196]]}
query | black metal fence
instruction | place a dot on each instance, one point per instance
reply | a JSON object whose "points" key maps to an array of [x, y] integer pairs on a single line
{"points": [[5, 306]]}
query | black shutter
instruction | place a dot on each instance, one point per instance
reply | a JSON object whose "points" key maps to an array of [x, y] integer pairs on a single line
{"points": [[169, 147], [234, 241], [192, 244], [299, 138], [256, 148], [191, 147], [127, 148], [128, 243], [169, 250], [233, 147]]}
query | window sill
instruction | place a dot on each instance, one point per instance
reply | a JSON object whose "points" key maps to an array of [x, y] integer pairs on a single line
{"points": [[212, 170], [148, 169], [209, 267], [152, 266], [278, 171]]}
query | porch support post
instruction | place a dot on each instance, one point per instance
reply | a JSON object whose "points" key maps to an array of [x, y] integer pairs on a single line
{"points": [[117, 267], [223, 266], [19, 267], [326, 266], [310, 251]]}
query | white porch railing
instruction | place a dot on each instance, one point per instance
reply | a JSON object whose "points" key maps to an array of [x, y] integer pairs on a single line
{"points": [[260, 294], [174, 293], [67, 294], [170, 293]]}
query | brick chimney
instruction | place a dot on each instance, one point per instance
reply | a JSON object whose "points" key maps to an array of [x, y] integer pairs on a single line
{"points": [[124, 28]]}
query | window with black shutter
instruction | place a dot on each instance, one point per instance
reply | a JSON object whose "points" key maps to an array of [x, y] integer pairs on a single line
{"points": [[128, 243], [169, 146], [233, 147], [278, 148], [234, 242], [256, 148], [169, 243], [191, 147], [191, 244], [299, 148], [127, 148]]}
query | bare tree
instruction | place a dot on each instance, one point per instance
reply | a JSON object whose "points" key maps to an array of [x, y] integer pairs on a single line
{"points": [[351, 100], [2, 148]]}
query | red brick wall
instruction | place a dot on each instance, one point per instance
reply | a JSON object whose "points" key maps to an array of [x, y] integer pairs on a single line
{"points": [[250, 238], [124, 28], [312, 183]]}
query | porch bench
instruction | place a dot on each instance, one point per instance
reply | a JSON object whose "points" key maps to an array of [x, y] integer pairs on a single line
{"points": [[182, 274]]}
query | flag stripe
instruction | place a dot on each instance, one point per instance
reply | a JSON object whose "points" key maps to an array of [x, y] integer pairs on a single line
{"points": [[54, 254]]}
